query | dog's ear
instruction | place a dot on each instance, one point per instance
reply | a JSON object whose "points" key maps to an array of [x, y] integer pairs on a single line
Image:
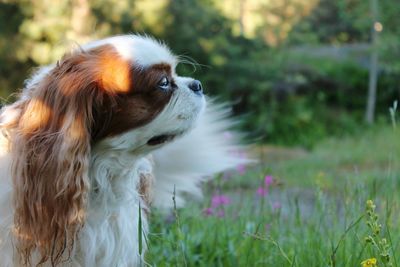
{"points": [[51, 153]]}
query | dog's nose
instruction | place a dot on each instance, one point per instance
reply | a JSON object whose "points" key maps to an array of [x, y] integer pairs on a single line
{"points": [[196, 87]]}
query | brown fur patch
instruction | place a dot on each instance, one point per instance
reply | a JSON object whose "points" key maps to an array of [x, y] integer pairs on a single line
{"points": [[140, 106], [114, 73]]}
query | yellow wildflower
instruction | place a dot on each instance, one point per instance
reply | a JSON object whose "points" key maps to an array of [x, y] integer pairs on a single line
{"points": [[369, 263], [370, 205]]}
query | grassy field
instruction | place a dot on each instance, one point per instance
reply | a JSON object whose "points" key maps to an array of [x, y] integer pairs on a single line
{"points": [[297, 208]]}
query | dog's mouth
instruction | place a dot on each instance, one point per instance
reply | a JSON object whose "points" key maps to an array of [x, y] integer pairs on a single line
{"points": [[161, 139]]}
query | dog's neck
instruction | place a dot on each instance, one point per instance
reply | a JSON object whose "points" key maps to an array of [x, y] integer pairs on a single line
{"points": [[114, 208], [113, 178]]}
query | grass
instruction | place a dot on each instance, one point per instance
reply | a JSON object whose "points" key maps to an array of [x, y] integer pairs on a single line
{"points": [[313, 215]]}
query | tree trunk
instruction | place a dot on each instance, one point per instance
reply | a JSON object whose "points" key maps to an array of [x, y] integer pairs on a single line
{"points": [[373, 70], [80, 21], [241, 16]]}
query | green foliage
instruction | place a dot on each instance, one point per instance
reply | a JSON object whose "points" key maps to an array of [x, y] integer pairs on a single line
{"points": [[338, 22], [10, 67], [321, 219], [282, 97]]}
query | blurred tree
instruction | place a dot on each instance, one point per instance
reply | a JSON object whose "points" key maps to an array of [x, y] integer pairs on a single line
{"points": [[389, 41], [279, 17], [243, 49], [373, 70], [11, 69], [40, 32], [334, 22]]}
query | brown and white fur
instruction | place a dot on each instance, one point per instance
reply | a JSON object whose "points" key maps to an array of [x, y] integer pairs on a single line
{"points": [[91, 142]]}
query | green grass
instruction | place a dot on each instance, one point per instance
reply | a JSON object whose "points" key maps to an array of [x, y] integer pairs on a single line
{"points": [[321, 221]]}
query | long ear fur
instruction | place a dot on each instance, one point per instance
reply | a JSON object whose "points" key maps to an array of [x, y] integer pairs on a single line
{"points": [[51, 149]]}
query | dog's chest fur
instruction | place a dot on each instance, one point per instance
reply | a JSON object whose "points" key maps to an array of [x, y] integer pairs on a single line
{"points": [[110, 234], [119, 192]]}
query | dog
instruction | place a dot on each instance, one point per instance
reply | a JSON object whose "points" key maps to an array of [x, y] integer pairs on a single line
{"points": [[93, 142]]}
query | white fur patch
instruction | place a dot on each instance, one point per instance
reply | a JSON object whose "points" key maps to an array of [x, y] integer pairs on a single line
{"points": [[110, 234], [205, 151], [142, 50], [6, 208]]}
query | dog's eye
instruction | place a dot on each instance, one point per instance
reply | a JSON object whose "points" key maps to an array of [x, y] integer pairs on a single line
{"points": [[163, 83]]}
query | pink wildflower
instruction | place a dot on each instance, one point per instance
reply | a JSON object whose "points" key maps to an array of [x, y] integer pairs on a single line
{"points": [[268, 180], [220, 200], [208, 212], [261, 191]]}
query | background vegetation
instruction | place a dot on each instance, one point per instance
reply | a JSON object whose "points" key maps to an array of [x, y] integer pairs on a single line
{"points": [[297, 73], [297, 70], [298, 208]]}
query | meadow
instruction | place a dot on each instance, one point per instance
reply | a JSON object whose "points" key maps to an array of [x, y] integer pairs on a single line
{"points": [[335, 205], [297, 72]]}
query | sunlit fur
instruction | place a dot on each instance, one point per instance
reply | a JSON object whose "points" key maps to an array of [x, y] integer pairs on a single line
{"points": [[69, 200]]}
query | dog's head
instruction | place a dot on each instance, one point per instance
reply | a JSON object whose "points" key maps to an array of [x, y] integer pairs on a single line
{"points": [[121, 92]]}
